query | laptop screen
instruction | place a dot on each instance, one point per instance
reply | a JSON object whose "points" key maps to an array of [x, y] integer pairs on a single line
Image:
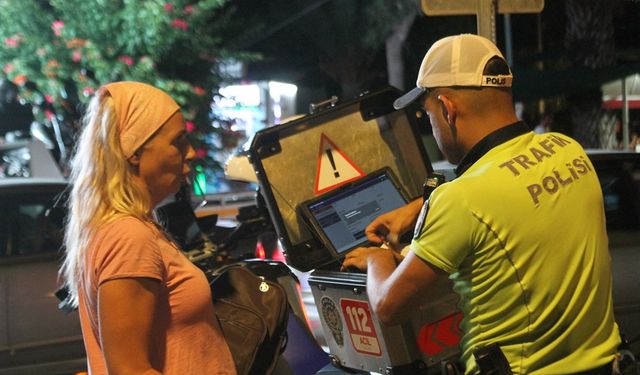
{"points": [[342, 216]]}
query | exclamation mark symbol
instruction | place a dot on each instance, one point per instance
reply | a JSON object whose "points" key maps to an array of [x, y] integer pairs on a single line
{"points": [[336, 174]]}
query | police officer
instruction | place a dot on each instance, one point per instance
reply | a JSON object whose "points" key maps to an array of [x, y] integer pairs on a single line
{"points": [[520, 231]]}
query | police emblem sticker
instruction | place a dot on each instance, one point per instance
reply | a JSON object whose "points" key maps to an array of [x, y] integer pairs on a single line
{"points": [[331, 316]]}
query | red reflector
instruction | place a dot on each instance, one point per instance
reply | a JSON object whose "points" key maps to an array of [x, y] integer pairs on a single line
{"points": [[260, 253], [435, 337]]}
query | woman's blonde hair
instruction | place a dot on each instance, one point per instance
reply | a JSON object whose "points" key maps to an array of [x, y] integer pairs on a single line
{"points": [[102, 187]]}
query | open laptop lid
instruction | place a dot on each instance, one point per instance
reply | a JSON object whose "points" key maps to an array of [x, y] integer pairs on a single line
{"points": [[338, 218], [366, 131]]}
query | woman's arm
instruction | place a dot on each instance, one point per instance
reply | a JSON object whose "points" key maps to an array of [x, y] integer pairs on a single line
{"points": [[125, 313]]}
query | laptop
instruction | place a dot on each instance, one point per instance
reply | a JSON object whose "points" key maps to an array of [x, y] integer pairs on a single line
{"points": [[339, 217]]}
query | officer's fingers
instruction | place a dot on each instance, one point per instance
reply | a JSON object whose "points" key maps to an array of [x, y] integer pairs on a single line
{"points": [[392, 238], [375, 237], [357, 258], [347, 263], [374, 224], [344, 266], [376, 232]]}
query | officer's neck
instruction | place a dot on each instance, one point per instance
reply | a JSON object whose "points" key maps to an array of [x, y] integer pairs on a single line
{"points": [[473, 129]]}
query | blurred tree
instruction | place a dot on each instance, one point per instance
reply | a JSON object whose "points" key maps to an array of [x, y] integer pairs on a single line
{"points": [[395, 38], [589, 40], [345, 37], [60, 51]]}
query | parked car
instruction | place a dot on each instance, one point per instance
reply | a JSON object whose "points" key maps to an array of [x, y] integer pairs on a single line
{"points": [[35, 337]]}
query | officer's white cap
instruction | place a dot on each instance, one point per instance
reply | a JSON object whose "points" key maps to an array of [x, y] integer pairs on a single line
{"points": [[457, 60]]}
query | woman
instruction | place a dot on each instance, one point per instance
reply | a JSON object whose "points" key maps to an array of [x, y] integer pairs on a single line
{"points": [[144, 308]]}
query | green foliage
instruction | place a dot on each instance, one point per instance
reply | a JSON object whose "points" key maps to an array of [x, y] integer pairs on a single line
{"points": [[69, 48]]}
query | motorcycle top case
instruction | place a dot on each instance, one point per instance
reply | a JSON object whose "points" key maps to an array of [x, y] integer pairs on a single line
{"points": [[302, 159], [427, 342]]}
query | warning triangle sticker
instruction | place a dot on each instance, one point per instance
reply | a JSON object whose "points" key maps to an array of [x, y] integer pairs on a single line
{"points": [[334, 168]]}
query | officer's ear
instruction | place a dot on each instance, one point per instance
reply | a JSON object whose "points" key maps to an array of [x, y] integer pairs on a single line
{"points": [[448, 109]]}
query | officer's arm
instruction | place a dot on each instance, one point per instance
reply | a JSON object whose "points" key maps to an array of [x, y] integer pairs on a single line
{"points": [[395, 292], [390, 226]]}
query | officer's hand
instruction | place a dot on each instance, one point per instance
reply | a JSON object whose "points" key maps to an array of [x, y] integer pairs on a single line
{"points": [[358, 258], [388, 227]]}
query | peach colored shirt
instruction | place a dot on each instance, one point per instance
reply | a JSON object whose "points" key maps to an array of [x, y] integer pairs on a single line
{"points": [[186, 335]]}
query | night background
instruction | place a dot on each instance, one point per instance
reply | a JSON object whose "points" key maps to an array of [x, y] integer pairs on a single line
{"points": [[56, 53]]}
